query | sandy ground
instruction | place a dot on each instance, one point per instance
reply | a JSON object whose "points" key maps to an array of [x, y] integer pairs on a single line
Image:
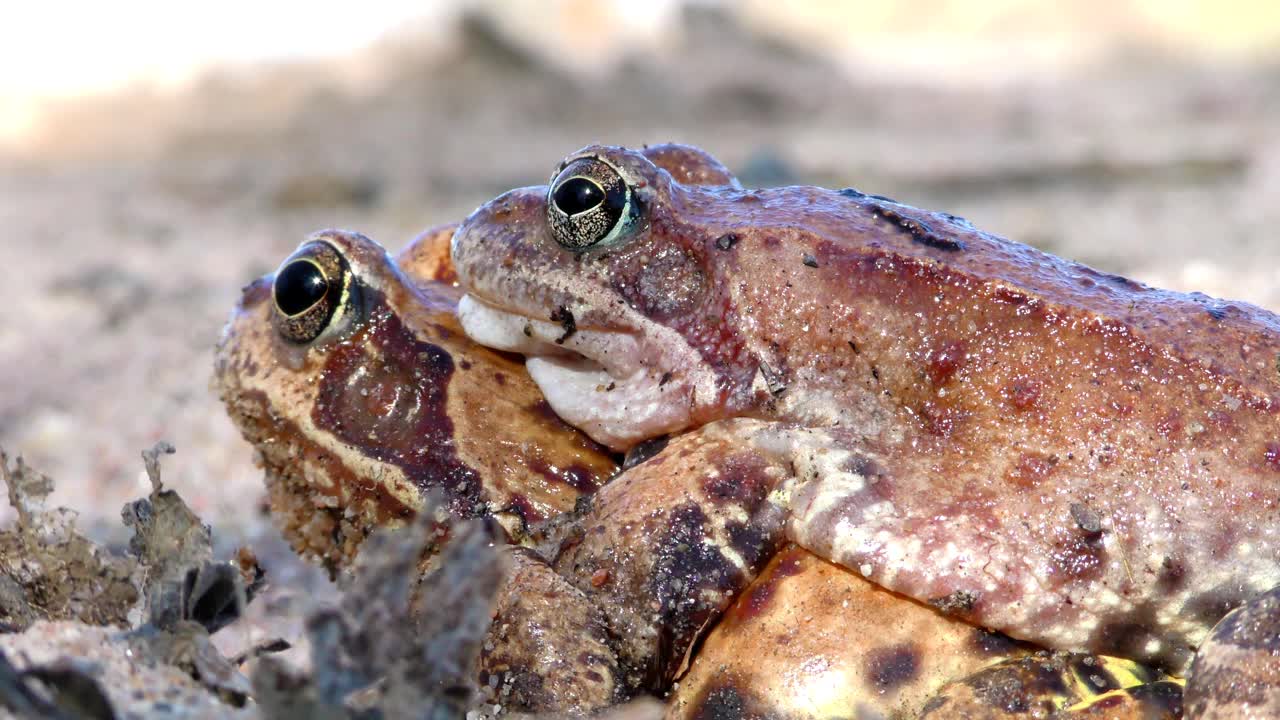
{"points": [[127, 241]]}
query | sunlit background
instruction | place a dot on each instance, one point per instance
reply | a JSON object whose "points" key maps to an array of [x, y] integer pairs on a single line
{"points": [[156, 156]]}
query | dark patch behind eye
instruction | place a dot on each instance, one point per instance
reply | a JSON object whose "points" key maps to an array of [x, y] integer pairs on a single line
{"points": [[394, 407]]}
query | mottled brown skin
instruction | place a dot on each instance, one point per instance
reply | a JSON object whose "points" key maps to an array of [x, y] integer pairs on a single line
{"points": [[1029, 444], [666, 546], [354, 427], [810, 640], [548, 648]]}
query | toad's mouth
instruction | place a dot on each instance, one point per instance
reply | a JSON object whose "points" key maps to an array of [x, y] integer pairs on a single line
{"points": [[616, 385]]}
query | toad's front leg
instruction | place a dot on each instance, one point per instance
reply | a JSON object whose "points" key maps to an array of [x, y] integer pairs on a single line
{"points": [[664, 548]]}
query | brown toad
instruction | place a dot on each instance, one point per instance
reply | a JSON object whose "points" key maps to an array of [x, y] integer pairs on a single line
{"points": [[1031, 445], [357, 387]]}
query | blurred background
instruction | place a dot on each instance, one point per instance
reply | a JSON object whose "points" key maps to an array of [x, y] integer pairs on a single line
{"points": [[155, 157]]}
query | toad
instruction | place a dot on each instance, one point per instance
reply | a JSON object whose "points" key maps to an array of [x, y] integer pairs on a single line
{"points": [[1020, 441], [359, 391]]}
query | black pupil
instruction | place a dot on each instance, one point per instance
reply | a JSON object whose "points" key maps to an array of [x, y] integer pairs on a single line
{"points": [[299, 286], [577, 195]]}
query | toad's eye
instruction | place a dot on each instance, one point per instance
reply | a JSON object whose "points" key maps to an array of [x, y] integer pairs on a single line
{"points": [[577, 195], [590, 203], [299, 286], [311, 288]]}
